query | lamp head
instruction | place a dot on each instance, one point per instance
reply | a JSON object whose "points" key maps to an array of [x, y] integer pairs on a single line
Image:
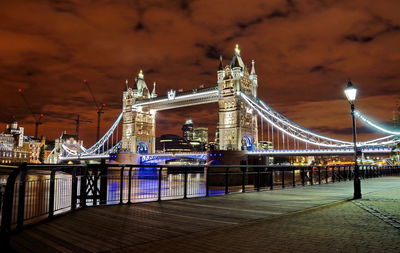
{"points": [[351, 92]]}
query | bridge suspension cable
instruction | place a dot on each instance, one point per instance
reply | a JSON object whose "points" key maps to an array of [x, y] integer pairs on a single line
{"points": [[298, 132], [374, 124], [290, 128], [100, 143]]}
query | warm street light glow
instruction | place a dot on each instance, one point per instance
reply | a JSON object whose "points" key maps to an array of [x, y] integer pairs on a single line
{"points": [[350, 92]]}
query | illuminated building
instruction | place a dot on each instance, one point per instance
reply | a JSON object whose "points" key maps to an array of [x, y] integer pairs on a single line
{"points": [[237, 124], [265, 145], [138, 127], [172, 143], [198, 137], [34, 148], [12, 146]]}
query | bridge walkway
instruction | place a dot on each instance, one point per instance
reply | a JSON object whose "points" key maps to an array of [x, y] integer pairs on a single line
{"points": [[304, 219]]}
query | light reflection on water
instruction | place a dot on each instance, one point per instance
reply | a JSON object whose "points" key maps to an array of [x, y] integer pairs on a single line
{"points": [[144, 187]]}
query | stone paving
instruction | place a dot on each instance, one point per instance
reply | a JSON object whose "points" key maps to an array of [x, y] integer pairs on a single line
{"points": [[339, 227], [318, 218]]}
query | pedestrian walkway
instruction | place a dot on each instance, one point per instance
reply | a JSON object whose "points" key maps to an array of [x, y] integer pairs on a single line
{"points": [[306, 219]]}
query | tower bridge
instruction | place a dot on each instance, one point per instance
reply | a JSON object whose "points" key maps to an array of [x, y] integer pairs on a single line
{"points": [[240, 112]]}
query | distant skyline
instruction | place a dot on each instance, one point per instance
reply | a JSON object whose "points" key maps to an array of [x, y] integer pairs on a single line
{"points": [[304, 53]]}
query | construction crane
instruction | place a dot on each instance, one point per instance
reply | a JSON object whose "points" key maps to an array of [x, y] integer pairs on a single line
{"points": [[37, 117], [78, 121], [99, 107]]}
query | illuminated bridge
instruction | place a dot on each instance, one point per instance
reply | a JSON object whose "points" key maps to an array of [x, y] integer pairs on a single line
{"points": [[245, 121]]}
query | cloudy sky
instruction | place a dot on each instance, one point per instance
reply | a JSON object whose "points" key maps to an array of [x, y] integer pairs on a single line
{"points": [[304, 52]]}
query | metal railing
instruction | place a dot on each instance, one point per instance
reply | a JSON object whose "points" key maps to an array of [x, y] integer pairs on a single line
{"points": [[36, 192]]}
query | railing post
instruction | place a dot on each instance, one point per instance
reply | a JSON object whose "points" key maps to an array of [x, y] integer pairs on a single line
{"points": [[271, 178], [302, 176], [7, 209], [130, 186], [319, 175], [339, 173], [226, 181], [258, 179], [51, 194], [95, 175], [326, 175], [103, 182], [293, 177], [283, 178], [333, 174], [185, 183], [21, 196], [159, 182], [207, 181], [244, 179], [311, 176], [74, 189], [83, 191], [121, 186]]}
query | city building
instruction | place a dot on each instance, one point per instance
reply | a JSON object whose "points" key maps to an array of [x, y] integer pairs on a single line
{"points": [[172, 143], [265, 145], [34, 147], [13, 149], [197, 137]]}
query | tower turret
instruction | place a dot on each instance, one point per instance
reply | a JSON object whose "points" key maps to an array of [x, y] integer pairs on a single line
{"points": [[237, 65], [142, 90], [221, 71], [253, 79], [153, 93]]}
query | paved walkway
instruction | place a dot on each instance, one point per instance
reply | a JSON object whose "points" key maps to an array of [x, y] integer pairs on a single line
{"points": [[305, 219]]}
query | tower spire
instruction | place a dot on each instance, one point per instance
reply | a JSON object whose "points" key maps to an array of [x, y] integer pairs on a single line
{"points": [[221, 66], [253, 69], [126, 84], [153, 93]]}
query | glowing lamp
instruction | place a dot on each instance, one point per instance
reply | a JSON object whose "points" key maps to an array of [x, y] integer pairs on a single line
{"points": [[351, 92]]}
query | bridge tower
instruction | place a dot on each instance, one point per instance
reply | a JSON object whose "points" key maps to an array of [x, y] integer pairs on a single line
{"points": [[237, 124], [138, 127]]}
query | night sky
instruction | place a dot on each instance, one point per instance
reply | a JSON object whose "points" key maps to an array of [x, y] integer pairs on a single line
{"points": [[304, 52]]}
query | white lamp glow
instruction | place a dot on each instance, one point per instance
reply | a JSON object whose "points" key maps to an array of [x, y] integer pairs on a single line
{"points": [[350, 92]]}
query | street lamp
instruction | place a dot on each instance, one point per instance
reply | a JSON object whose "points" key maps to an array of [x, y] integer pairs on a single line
{"points": [[351, 92]]}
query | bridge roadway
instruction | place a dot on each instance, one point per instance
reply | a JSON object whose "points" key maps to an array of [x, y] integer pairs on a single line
{"points": [[307, 219]]}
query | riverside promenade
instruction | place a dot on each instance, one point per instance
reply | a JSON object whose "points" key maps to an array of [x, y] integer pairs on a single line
{"points": [[319, 218]]}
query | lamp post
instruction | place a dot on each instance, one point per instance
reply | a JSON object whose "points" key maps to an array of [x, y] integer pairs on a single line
{"points": [[351, 92]]}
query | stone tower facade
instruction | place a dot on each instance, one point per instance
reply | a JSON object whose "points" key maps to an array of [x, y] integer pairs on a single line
{"points": [[237, 124], [138, 127]]}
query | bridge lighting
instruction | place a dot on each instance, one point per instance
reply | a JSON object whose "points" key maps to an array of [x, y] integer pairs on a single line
{"points": [[351, 92]]}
